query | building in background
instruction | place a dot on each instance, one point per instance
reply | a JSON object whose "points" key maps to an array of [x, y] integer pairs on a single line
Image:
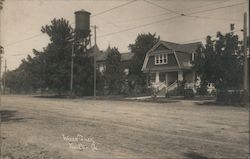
{"points": [[101, 58]]}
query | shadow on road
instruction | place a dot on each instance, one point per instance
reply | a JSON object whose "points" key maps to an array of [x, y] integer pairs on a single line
{"points": [[214, 103], [194, 155], [11, 115]]}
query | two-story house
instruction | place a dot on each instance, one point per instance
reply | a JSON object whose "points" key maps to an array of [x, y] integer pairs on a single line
{"points": [[166, 63], [101, 57]]}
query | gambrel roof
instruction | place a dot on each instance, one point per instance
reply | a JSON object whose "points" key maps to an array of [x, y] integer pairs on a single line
{"points": [[187, 48], [181, 52]]}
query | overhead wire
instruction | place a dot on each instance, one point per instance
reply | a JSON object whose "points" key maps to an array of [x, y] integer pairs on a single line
{"points": [[169, 10], [189, 14], [208, 10], [119, 6], [201, 6], [29, 38], [37, 35], [203, 38], [212, 18], [182, 42], [138, 26], [164, 20], [166, 13]]}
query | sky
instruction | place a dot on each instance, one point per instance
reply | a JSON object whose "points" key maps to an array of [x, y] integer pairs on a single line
{"points": [[118, 21]]}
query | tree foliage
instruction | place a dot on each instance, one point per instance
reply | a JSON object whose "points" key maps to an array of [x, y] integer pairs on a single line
{"points": [[114, 73], [220, 61], [57, 55], [51, 68], [143, 43]]}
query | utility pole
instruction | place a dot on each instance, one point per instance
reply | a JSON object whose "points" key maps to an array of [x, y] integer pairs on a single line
{"points": [[72, 69], [1, 141], [1, 52], [245, 58], [4, 76], [95, 52]]}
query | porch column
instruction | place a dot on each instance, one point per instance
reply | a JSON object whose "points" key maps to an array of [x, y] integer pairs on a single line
{"points": [[157, 79], [166, 79], [180, 75]]}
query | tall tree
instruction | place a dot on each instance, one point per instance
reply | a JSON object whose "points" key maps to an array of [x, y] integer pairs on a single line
{"points": [[114, 73], [51, 68], [58, 54], [220, 62], [143, 43]]}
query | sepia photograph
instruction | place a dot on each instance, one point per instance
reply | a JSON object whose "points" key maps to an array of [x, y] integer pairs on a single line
{"points": [[124, 79]]}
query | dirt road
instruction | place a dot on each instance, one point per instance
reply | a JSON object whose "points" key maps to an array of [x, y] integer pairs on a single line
{"points": [[79, 128]]}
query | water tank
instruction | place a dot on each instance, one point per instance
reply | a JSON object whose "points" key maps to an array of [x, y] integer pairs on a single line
{"points": [[82, 23]]}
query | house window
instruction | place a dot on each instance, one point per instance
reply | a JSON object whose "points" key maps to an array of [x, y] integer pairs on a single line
{"points": [[192, 57], [126, 71], [101, 67], [161, 59]]}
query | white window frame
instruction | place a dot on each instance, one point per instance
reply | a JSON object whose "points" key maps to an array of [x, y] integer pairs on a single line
{"points": [[161, 59], [192, 57]]}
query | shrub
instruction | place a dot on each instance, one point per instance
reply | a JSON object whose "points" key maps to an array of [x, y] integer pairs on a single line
{"points": [[188, 93], [231, 96], [180, 88], [202, 90]]}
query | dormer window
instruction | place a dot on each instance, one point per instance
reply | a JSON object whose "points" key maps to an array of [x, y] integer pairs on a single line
{"points": [[161, 59]]}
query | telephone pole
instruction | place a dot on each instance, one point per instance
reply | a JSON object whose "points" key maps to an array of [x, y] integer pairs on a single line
{"points": [[72, 69], [246, 88], [95, 51], [1, 52], [4, 76]]}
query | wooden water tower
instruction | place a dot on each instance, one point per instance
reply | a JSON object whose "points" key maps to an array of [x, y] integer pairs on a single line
{"points": [[82, 27]]}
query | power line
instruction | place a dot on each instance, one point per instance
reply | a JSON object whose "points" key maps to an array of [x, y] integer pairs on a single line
{"points": [[18, 54], [165, 19], [208, 10], [187, 14], [29, 38], [182, 42], [169, 10], [139, 26], [214, 35], [201, 6], [205, 17], [165, 13], [119, 6]]}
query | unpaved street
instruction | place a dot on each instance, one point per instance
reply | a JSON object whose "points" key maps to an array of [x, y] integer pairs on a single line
{"points": [[80, 128]]}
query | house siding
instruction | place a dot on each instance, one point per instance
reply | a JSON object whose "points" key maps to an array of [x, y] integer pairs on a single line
{"points": [[184, 58]]}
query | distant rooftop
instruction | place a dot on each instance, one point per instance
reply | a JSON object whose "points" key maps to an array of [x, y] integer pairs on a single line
{"points": [[102, 55]]}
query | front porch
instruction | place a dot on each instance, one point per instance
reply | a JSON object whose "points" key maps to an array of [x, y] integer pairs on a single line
{"points": [[168, 80]]}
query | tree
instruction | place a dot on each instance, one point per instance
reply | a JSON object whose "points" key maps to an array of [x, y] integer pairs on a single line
{"points": [[18, 81], [143, 43], [51, 68], [114, 73], [58, 54], [220, 62]]}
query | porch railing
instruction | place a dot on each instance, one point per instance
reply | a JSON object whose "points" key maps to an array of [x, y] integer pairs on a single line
{"points": [[172, 86]]}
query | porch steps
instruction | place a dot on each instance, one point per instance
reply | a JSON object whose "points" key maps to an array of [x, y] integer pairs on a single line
{"points": [[162, 88]]}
